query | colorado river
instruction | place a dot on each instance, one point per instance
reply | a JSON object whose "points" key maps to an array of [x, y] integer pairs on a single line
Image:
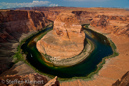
{"points": [[102, 49]]}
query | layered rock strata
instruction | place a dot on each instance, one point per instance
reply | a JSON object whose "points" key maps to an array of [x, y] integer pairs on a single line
{"points": [[85, 17], [14, 26], [116, 24], [124, 81], [32, 79], [14, 23], [23, 75], [65, 40], [113, 69]]}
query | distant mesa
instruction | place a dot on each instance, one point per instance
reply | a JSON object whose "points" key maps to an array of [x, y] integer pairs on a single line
{"points": [[65, 40]]}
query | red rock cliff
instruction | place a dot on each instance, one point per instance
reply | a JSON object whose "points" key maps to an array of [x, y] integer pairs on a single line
{"points": [[14, 23], [116, 24], [85, 17]]}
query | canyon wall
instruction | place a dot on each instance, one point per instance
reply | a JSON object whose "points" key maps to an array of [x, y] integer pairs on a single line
{"points": [[85, 17], [115, 24], [14, 23], [14, 26]]}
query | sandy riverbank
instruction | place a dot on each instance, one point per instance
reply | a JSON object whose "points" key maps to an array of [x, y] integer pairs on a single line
{"points": [[113, 69]]}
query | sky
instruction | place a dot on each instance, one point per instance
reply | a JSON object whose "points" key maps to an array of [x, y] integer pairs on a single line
{"points": [[4, 4]]}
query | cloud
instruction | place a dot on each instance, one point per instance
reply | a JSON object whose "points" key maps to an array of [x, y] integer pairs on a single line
{"points": [[5, 5], [53, 5], [85, 0]]}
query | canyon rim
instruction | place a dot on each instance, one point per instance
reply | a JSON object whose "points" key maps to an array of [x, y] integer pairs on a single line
{"points": [[15, 25]]}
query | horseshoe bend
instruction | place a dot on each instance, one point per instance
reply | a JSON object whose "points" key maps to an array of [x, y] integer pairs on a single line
{"points": [[65, 37], [66, 40], [74, 45]]}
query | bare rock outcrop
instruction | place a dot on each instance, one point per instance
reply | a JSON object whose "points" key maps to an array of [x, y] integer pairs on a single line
{"points": [[65, 40], [23, 75], [14, 23], [21, 72], [32, 79], [14, 26], [53, 82], [116, 24], [23, 80], [124, 81], [85, 17], [51, 15]]}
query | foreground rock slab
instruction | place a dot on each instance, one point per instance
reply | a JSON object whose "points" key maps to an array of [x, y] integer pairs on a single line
{"points": [[23, 75]]}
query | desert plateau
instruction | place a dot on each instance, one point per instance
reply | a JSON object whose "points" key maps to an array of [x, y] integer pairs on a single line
{"points": [[64, 46]]}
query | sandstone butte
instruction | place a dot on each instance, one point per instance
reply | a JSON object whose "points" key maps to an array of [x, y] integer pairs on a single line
{"points": [[65, 40]]}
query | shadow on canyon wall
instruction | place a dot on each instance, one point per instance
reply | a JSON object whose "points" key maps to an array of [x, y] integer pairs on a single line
{"points": [[14, 26]]}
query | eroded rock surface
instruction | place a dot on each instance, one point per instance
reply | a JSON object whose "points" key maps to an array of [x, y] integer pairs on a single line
{"points": [[16, 25], [65, 40], [115, 67], [23, 80], [116, 24], [53, 82], [85, 17], [124, 81], [23, 75]]}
